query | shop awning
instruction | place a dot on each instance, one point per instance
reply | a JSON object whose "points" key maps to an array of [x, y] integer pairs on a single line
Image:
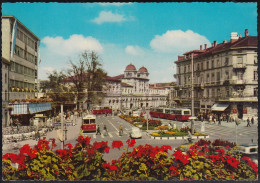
{"points": [[35, 108], [19, 109], [219, 107]]}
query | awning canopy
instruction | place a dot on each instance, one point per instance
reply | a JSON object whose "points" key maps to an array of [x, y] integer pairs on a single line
{"points": [[34, 108], [219, 107], [19, 109]]}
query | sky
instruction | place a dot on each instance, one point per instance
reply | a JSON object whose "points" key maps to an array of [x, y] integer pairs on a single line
{"points": [[152, 35]]}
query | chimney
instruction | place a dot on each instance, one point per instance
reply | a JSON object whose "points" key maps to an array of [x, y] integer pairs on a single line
{"points": [[215, 43], [233, 37], [246, 32], [200, 47], [205, 46]]}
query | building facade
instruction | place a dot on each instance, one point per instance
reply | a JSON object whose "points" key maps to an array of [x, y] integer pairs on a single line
{"points": [[20, 60], [224, 74], [132, 90]]}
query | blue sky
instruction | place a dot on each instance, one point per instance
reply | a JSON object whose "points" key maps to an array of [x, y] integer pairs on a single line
{"points": [[144, 34]]}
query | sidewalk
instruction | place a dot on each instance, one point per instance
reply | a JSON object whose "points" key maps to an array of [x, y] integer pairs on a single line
{"points": [[72, 134]]}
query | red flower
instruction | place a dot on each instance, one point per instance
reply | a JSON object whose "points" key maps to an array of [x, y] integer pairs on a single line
{"points": [[166, 148], [90, 151], [227, 147], [131, 142], [107, 149], [10, 156], [69, 146], [106, 165], [222, 151], [87, 139], [80, 139], [117, 144], [113, 167]]}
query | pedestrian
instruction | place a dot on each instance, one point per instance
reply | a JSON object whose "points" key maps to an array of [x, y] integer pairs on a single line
{"points": [[219, 120], [252, 120], [227, 116], [248, 122], [37, 135], [120, 130], [174, 125], [98, 130], [201, 118], [210, 118], [105, 130]]}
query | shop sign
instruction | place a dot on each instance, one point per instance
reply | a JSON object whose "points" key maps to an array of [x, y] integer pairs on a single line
{"points": [[234, 110]]}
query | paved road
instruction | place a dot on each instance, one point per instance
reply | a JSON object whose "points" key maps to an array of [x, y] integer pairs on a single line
{"points": [[225, 131]]}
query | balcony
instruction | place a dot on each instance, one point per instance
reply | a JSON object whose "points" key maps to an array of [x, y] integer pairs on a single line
{"points": [[239, 65], [238, 98], [238, 82]]}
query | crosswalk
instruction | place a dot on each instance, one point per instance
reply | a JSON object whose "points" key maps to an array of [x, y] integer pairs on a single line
{"points": [[102, 136]]}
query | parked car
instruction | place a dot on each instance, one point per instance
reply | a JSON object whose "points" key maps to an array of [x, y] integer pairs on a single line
{"points": [[135, 133], [249, 150]]}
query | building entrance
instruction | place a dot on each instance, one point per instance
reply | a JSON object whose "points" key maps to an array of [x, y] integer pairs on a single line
{"points": [[240, 110]]}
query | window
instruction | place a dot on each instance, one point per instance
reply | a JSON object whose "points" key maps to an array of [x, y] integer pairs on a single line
{"points": [[198, 67], [227, 92], [212, 77], [227, 75], [213, 92], [12, 66], [212, 64], [226, 61], [218, 76], [202, 66], [255, 75], [5, 78], [184, 69], [256, 92], [239, 60], [202, 106], [207, 65], [189, 68], [240, 75], [218, 63], [255, 60], [207, 77]]}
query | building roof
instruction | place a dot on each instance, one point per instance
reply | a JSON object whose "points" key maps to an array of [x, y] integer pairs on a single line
{"points": [[130, 67], [248, 41], [115, 78], [143, 69], [13, 17]]}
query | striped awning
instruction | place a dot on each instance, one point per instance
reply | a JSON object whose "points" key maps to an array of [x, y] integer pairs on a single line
{"points": [[219, 107], [35, 108], [19, 109]]}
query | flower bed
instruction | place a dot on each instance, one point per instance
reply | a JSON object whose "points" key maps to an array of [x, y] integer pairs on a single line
{"points": [[132, 119], [85, 161]]}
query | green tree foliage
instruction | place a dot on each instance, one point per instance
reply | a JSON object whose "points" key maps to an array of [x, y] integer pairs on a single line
{"points": [[88, 78]]}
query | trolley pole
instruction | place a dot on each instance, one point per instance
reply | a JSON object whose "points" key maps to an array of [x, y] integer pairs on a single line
{"points": [[192, 96]]}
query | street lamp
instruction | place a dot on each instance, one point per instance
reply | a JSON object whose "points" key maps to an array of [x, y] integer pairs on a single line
{"points": [[192, 97]]}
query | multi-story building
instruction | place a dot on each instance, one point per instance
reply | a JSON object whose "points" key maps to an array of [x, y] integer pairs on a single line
{"points": [[225, 77], [19, 58], [132, 90]]}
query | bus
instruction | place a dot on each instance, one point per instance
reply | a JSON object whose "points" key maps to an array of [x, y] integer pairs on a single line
{"points": [[101, 110], [178, 114], [89, 123]]}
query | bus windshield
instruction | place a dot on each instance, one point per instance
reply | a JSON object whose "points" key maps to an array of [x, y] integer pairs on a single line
{"points": [[89, 121]]}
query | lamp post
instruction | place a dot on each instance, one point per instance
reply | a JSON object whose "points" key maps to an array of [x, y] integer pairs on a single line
{"points": [[192, 97]]}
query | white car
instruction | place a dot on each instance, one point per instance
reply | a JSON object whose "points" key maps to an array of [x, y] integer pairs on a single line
{"points": [[249, 150], [135, 133]]}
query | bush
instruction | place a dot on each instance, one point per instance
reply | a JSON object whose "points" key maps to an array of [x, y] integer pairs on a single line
{"points": [[145, 162], [161, 128]]}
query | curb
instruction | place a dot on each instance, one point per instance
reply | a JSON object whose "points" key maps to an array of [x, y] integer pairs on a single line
{"points": [[180, 138]]}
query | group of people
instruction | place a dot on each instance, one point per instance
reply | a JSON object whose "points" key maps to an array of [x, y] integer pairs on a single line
{"points": [[248, 121], [98, 132]]}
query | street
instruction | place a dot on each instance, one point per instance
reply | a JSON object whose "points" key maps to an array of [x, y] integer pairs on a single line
{"points": [[225, 131]]}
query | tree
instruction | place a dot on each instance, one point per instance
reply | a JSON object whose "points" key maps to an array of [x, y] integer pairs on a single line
{"points": [[57, 90], [88, 78]]}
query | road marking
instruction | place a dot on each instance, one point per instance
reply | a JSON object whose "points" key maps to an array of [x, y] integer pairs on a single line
{"points": [[110, 135], [102, 136], [94, 136], [114, 126]]}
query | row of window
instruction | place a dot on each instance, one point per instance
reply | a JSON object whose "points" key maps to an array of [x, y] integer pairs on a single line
{"points": [[25, 55], [27, 40], [21, 84], [20, 69]]}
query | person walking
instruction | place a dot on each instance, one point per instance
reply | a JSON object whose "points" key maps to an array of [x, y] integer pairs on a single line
{"points": [[219, 120], [248, 122], [120, 130], [252, 120], [105, 130], [98, 130]]}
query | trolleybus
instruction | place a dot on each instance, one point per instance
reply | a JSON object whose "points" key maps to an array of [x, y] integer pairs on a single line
{"points": [[89, 123], [178, 114], [101, 110]]}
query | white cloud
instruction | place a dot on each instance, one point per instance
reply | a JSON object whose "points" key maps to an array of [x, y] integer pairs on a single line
{"points": [[134, 50], [177, 41], [74, 45], [108, 16], [114, 4]]}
